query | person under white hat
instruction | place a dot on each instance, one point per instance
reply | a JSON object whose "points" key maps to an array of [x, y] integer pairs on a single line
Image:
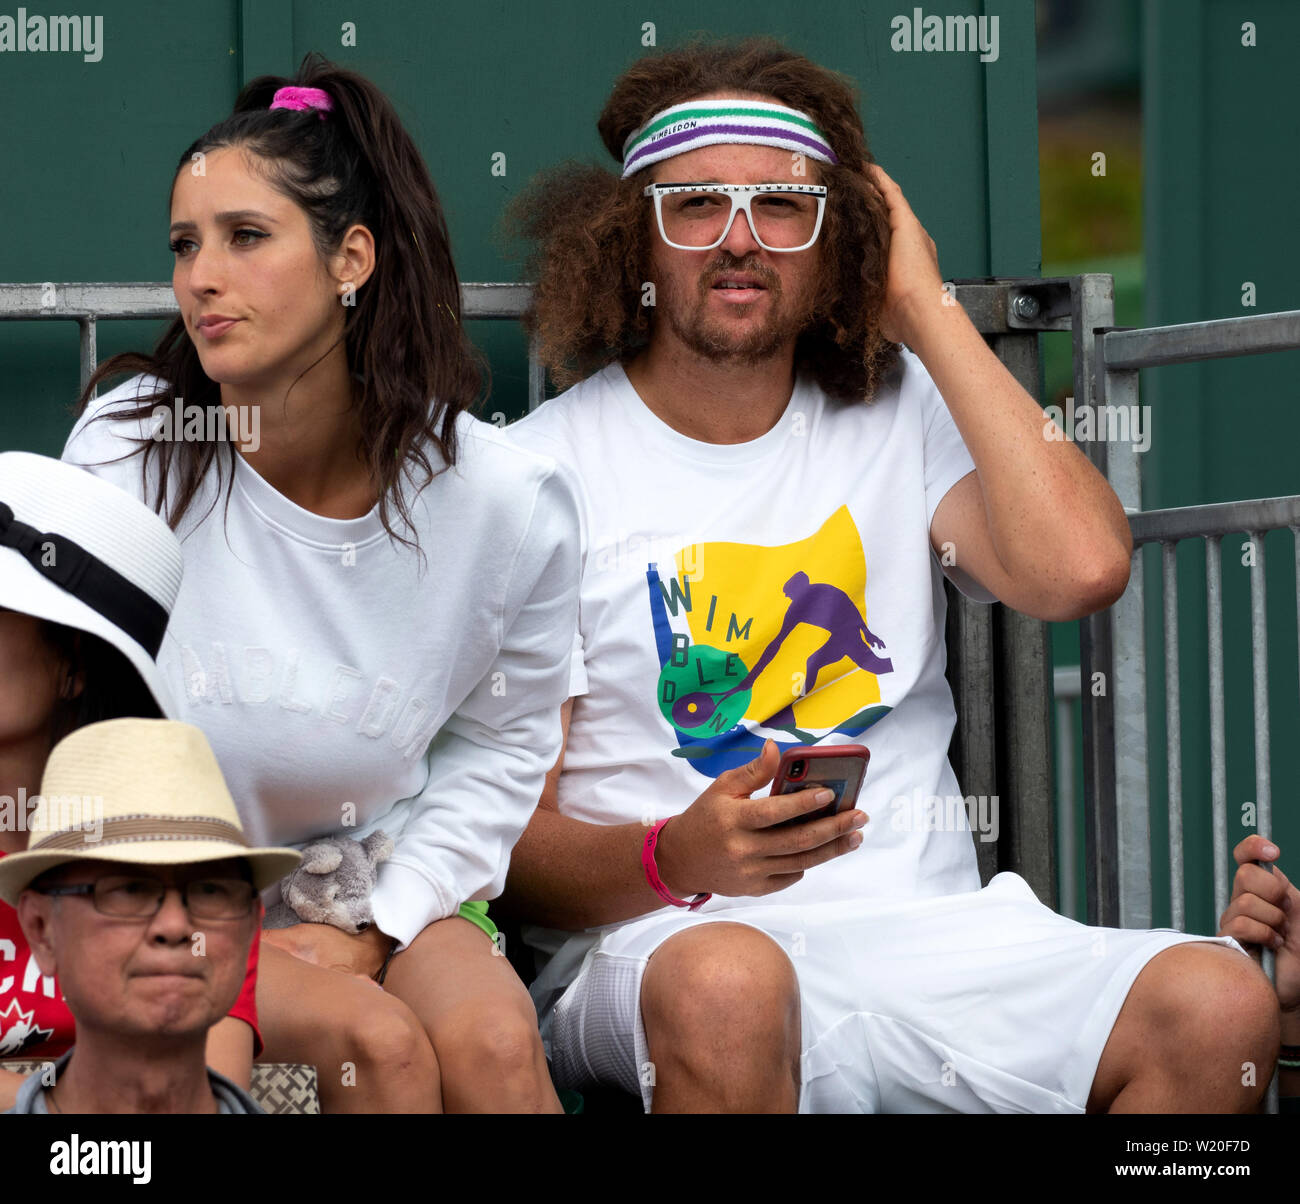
{"points": [[79, 552], [89, 576]]}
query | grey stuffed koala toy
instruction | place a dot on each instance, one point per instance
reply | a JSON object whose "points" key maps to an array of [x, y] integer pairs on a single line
{"points": [[332, 885]]}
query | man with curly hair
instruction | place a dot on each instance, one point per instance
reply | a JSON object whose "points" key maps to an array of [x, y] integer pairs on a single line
{"points": [[771, 491]]}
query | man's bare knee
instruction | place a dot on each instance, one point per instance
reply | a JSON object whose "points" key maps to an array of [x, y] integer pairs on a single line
{"points": [[1207, 994], [1207, 1027], [1235, 1010], [721, 970]]}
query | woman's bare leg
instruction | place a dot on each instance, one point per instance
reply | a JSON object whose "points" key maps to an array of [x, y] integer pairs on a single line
{"points": [[479, 1017], [370, 1051]]}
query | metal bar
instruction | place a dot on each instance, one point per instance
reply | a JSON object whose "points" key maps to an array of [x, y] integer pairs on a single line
{"points": [[1127, 685], [495, 301], [89, 354], [1132, 806], [1295, 539], [969, 636], [1217, 518], [1065, 846], [1190, 342], [1097, 716], [1092, 304], [1173, 736], [1023, 700], [1024, 707], [87, 303], [1218, 743], [1123, 467], [536, 377], [1066, 688], [1259, 684], [996, 305], [24, 302], [1259, 681]]}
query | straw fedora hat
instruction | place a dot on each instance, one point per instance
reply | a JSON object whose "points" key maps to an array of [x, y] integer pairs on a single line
{"points": [[77, 550], [140, 791]]}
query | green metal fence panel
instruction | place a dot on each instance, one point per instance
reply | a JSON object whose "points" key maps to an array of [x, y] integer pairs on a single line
{"points": [[1221, 241]]}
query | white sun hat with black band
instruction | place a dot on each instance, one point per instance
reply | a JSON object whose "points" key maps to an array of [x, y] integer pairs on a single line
{"points": [[77, 550], [138, 791]]}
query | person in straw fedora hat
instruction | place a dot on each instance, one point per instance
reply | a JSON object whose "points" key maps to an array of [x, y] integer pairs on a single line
{"points": [[88, 579], [140, 891]]}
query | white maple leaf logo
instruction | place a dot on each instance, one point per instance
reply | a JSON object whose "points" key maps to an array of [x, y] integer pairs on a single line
{"points": [[18, 1030]]}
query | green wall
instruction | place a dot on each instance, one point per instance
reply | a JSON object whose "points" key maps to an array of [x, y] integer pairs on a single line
{"points": [[88, 199], [1222, 178]]}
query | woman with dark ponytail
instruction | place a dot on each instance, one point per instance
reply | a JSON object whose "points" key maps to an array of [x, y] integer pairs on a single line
{"points": [[380, 592]]}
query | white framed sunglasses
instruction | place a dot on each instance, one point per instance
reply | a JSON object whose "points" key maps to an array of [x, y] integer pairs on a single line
{"points": [[697, 217]]}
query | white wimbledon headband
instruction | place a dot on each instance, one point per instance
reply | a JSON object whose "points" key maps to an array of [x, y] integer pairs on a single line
{"points": [[686, 127]]}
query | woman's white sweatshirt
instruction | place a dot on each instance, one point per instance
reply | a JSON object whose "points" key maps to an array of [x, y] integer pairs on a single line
{"points": [[346, 686]]}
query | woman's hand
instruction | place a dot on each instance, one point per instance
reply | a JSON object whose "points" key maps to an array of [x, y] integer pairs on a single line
{"points": [[1260, 913], [914, 283], [330, 947]]}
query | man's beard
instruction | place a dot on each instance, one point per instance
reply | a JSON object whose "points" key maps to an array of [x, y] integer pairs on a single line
{"points": [[714, 341]]}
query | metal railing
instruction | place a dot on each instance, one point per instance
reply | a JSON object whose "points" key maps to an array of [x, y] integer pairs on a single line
{"points": [[998, 660], [1113, 642], [1067, 693], [89, 304]]}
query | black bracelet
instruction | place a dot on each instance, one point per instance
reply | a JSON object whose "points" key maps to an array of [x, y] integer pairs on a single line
{"points": [[383, 970]]}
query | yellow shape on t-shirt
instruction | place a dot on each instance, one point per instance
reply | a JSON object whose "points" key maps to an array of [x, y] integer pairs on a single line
{"points": [[739, 604]]}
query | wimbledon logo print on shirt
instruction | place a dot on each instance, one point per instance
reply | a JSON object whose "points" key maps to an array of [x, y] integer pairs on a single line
{"points": [[752, 637]]}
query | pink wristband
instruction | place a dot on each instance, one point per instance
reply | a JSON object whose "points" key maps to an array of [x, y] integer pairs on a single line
{"points": [[652, 872]]}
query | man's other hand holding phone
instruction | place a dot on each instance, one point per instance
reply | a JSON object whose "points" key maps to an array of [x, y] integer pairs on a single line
{"points": [[728, 843]]}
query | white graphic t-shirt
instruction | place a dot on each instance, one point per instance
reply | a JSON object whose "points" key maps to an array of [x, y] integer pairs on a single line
{"points": [[783, 588]]}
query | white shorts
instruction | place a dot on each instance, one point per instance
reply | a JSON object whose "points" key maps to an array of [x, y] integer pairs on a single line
{"points": [[986, 1001]]}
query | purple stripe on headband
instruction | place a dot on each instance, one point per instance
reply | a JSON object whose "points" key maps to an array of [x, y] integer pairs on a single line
{"points": [[760, 131]]}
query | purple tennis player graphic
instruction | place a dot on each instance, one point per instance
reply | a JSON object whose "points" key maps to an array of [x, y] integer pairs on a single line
{"points": [[705, 692]]}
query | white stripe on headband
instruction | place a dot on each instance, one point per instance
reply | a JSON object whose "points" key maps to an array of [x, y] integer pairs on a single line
{"points": [[686, 127]]}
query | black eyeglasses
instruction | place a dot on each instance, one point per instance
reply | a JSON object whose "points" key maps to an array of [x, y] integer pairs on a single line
{"points": [[137, 898]]}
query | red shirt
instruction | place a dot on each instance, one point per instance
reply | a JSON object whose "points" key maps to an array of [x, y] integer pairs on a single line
{"points": [[34, 1020]]}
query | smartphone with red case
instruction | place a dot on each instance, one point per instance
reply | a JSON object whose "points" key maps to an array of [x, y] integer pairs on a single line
{"points": [[837, 767]]}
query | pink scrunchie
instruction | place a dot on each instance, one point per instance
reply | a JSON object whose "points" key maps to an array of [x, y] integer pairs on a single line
{"points": [[302, 99]]}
